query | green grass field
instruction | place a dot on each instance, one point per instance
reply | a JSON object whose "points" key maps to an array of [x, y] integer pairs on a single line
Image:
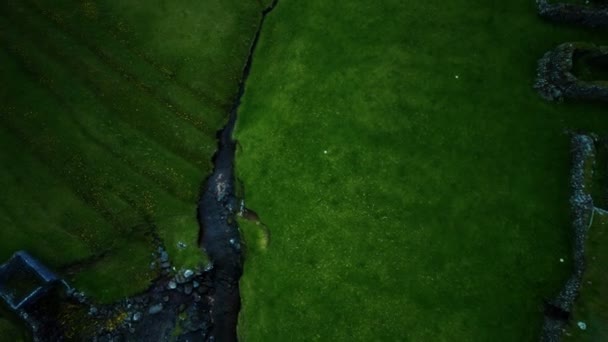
{"points": [[415, 184], [108, 114]]}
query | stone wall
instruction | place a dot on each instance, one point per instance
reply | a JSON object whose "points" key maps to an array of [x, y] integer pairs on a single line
{"points": [[594, 15], [555, 80], [582, 209]]}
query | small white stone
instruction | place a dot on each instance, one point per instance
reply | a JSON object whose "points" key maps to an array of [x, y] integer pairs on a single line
{"points": [[561, 259], [582, 325]]}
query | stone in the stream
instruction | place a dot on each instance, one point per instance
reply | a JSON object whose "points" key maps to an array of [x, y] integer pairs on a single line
{"points": [[172, 285], [188, 273], [136, 316], [195, 284], [154, 309], [188, 289]]}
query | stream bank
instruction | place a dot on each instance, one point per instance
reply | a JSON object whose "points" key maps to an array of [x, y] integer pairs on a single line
{"points": [[217, 211]]}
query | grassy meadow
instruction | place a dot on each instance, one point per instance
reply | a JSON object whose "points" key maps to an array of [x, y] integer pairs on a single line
{"points": [[415, 185], [108, 114]]}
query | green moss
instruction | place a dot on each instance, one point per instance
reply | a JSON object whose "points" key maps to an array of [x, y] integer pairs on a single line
{"points": [[415, 184]]}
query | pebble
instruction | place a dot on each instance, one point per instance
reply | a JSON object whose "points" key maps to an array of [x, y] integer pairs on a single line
{"points": [[196, 284], [582, 325], [164, 256], [188, 273], [172, 285], [188, 289], [154, 309], [136, 316]]}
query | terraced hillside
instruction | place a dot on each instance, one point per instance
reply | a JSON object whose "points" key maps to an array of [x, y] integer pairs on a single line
{"points": [[108, 114]]}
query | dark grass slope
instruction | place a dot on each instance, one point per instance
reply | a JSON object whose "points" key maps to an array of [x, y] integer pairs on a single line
{"points": [[108, 113]]}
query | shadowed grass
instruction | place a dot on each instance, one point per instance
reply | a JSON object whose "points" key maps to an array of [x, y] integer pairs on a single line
{"points": [[107, 126]]}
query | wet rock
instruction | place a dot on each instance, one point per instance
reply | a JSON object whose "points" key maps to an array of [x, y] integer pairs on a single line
{"points": [[180, 279], [172, 285], [136, 316], [188, 289], [154, 309], [196, 284], [164, 256], [188, 273]]}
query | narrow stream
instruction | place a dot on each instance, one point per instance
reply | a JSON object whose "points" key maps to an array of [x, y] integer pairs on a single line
{"points": [[217, 209]]}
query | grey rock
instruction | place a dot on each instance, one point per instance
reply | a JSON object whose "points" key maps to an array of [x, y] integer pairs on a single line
{"points": [[180, 279], [136, 316], [188, 289], [172, 285], [188, 273], [164, 256], [154, 309]]}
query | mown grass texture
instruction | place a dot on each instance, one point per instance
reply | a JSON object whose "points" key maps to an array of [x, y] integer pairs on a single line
{"points": [[415, 185]]}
